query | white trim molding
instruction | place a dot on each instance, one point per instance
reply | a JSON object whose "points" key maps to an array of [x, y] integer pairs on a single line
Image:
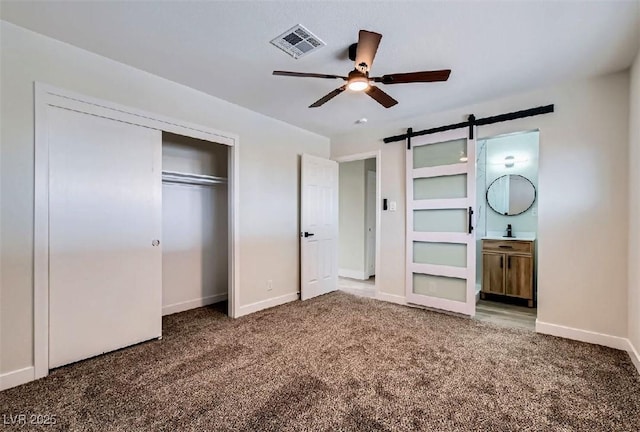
{"points": [[192, 304], [392, 298], [616, 342], [16, 377], [634, 354], [266, 304]]}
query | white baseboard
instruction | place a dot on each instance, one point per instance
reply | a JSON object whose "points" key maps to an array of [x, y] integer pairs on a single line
{"points": [[583, 335], [192, 304], [266, 304], [392, 298], [353, 274], [16, 377], [635, 356]]}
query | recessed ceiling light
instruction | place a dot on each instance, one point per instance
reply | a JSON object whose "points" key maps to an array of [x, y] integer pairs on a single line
{"points": [[363, 120]]}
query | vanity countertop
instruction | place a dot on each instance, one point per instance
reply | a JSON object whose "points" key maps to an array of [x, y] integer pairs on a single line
{"points": [[516, 237]]}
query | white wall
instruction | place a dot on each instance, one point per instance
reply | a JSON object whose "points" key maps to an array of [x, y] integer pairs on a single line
{"points": [[269, 171], [634, 208], [582, 212], [351, 261]]}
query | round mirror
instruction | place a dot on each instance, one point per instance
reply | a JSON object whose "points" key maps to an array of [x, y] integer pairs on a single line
{"points": [[511, 194]]}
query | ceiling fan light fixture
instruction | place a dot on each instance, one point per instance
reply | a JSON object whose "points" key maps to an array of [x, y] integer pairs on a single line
{"points": [[358, 84]]}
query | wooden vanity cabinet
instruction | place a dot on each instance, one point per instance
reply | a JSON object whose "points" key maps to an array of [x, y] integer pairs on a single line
{"points": [[507, 268]]}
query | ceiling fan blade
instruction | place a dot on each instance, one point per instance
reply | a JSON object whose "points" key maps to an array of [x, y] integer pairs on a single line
{"points": [[307, 75], [411, 77], [383, 99], [367, 47], [328, 97]]}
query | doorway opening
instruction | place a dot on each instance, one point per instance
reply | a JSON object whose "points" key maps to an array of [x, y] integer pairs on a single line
{"points": [[506, 229], [195, 225], [358, 210]]}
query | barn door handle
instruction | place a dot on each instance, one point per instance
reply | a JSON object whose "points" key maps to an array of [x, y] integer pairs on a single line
{"points": [[470, 220], [307, 234]]}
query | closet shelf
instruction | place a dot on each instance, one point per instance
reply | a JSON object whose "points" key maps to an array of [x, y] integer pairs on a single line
{"points": [[192, 179]]}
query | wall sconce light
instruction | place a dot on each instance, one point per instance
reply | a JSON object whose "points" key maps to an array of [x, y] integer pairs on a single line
{"points": [[509, 161]]}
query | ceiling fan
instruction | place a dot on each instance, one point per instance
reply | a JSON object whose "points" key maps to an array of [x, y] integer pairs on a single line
{"points": [[363, 53]]}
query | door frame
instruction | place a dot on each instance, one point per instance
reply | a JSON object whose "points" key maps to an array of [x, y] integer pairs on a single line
{"points": [[46, 95], [361, 156], [507, 130], [367, 242]]}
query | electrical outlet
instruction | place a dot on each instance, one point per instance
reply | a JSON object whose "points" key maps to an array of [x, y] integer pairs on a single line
{"points": [[269, 285]]}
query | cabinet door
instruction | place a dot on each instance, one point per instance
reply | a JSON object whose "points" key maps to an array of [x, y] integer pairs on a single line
{"points": [[519, 276], [493, 273]]}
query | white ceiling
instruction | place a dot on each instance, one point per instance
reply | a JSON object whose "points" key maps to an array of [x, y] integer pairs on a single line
{"points": [[222, 48]]}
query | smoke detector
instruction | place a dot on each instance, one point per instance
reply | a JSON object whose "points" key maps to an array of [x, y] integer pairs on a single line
{"points": [[298, 42]]}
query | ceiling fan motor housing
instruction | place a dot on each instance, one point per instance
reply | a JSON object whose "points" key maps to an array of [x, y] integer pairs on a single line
{"points": [[357, 74]]}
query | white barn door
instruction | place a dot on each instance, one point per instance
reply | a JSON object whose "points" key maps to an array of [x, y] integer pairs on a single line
{"points": [[319, 227], [105, 260], [440, 240]]}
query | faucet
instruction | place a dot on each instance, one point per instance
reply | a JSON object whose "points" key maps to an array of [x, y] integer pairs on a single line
{"points": [[509, 231]]}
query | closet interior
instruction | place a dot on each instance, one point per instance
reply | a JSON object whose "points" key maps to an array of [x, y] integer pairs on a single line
{"points": [[194, 223]]}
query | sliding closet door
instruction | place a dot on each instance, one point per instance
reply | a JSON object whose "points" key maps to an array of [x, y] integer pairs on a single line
{"points": [[105, 276]]}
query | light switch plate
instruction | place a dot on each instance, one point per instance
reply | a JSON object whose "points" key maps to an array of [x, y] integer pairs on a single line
{"points": [[392, 205]]}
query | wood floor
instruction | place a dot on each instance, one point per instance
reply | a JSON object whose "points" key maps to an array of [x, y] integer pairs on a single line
{"points": [[506, 315], [502, 314], [363, 288]]}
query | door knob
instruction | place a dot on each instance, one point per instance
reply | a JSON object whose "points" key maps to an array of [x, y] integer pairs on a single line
{"points": [[155, 243]]}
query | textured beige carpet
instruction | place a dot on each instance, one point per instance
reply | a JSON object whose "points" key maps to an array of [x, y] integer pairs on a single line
{"points": [[339, 363]]}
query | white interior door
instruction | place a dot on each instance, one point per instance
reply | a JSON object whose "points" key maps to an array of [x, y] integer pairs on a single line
{"points": [[105, 261], [371, 223], [319, 225], [440, 241]]}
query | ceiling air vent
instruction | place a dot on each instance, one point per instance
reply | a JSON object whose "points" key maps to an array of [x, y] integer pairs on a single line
{"points": [[298, 42]]}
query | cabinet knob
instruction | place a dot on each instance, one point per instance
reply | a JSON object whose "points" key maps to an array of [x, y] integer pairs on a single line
{"points": [[155, 243]]}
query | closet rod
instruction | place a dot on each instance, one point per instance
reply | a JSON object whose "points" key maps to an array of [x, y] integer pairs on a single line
{"points": [[192, 179]]}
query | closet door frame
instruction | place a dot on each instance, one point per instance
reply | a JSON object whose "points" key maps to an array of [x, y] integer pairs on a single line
{"points": [[48, 96]]}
